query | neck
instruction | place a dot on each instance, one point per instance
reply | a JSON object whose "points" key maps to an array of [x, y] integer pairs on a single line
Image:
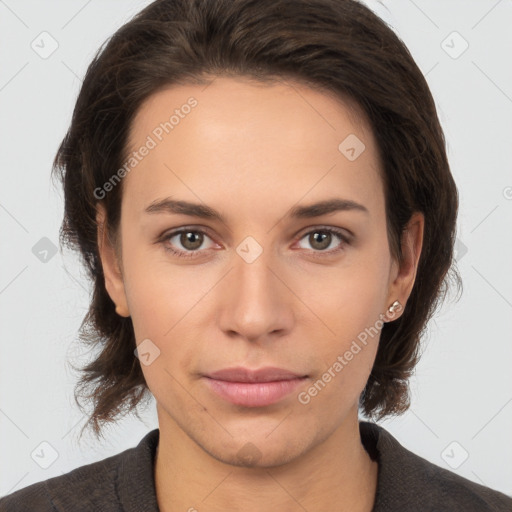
{"points": [[337, 474]]}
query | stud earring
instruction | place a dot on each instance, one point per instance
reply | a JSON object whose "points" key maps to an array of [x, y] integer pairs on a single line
{"points": [[396, 305]]}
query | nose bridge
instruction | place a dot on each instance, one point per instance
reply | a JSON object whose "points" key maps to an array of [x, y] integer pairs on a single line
{"points": [[254, 276], [255, 303]]}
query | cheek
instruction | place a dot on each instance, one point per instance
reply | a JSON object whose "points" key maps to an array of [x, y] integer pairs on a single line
{"points": [[349, 297], [352, 309], [149, 302], [346, 360], [159, 293], [166, 305]]}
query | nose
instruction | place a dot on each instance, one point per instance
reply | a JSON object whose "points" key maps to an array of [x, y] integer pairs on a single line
{"points": [[256, 304]]}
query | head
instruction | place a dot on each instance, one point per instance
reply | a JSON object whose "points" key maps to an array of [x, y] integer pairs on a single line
{"points": [[255, 111]]}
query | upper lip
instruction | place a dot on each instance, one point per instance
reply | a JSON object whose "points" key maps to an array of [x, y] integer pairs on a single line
{"points": [[267, 374]]}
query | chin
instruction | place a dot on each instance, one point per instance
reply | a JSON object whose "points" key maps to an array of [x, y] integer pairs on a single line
{"points": [[249, 455], [259, 450]]}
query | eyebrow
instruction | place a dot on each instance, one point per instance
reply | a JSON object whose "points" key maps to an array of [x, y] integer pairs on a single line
{"points": [[325, 207]]}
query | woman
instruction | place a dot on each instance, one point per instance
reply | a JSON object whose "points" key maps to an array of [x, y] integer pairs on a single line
{"points": [[261, 195]]}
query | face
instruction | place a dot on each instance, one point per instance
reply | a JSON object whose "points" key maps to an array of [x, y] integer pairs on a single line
{"points": [[263, 281]]}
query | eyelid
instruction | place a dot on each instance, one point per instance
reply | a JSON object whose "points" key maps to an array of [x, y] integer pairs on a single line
{"points": [[343, 232]]}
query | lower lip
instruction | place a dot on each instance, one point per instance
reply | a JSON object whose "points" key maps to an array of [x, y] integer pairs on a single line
{"points": [[254, 394]]}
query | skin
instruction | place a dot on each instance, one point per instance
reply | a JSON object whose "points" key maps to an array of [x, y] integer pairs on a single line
{"points": [[252, 152]]}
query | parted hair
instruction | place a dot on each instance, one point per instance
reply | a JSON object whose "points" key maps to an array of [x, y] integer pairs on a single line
{"points": [[337, 46]]}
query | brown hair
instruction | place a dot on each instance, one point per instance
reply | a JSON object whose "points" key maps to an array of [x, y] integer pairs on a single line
{"points": [[339, 46]]}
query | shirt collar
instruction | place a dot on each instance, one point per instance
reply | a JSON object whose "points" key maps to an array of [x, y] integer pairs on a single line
{"points": [[136, 475]]}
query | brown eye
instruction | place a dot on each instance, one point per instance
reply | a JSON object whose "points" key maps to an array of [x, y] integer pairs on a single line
{"points": [[191, 240], [320, 240], [323, 240], [187, 243]]}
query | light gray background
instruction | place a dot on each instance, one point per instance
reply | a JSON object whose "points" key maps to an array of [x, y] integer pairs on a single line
{"points": [[462, 390]]}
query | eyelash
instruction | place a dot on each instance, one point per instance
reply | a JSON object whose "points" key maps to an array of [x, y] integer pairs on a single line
{"points": [[193, 254]]}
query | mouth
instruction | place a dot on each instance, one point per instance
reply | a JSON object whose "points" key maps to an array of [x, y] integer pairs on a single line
{"points": [[254, 388]]}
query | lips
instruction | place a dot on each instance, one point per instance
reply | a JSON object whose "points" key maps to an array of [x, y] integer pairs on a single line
{"points": [[253, 388], [268, 374]]}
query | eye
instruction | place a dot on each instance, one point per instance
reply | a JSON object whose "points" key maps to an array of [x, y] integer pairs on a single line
{"points": [[320, 239], [191, 240]]}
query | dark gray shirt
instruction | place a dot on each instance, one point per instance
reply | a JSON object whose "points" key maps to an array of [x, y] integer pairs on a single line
{"points": [[125, 482]]}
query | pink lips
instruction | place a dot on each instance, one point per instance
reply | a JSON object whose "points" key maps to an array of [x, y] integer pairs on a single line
{"points": [[253, 388]]}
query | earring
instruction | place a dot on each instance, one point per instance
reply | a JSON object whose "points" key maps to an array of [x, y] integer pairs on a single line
{"points": [[396, 305]]}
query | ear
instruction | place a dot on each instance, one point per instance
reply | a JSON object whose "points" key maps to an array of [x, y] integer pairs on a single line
{"points": [[114, 282], [411, 243]]}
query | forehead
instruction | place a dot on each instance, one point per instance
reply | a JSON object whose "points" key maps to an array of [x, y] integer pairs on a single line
{"points": [[256, 140]]}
